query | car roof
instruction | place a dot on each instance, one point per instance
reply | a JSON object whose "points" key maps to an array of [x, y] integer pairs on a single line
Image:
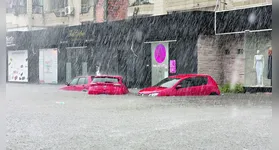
{"points": [[182, 76], [83, 76], [111, 76]]}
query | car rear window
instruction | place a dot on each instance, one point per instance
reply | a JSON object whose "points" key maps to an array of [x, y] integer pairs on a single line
{"points": [[105, 80]]}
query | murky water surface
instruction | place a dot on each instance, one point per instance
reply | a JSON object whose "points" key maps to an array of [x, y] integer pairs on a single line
{"points": [[42, 117]]}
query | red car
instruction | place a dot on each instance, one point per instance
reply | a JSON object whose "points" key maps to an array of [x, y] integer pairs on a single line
{"points": [[111, 85], [183, 85], [80, 83]]}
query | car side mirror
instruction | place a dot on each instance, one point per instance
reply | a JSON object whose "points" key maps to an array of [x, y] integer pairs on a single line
{"points": [[178, 86]]}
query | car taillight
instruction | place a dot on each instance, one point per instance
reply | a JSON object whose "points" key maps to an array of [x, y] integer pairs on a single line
{"points": [[117, 84]]}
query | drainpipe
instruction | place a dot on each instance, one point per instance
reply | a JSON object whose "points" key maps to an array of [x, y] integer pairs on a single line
{"points": [[106, 10], [43, 12]]}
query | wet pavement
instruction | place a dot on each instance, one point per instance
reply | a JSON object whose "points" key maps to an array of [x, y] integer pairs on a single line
{"points": [[42, 117]]}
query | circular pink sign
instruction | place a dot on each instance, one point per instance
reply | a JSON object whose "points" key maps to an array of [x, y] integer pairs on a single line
{"points": [[160, 53]]}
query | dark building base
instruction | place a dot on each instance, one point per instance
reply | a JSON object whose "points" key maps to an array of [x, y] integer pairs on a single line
{"points": [[257, 89]]}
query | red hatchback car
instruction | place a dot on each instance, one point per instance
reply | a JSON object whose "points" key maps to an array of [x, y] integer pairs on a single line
{"points": [[183, 85], [80, 83], [105, 84]]}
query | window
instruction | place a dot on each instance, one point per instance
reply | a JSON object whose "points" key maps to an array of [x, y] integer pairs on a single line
{"points": [[227, 52], [16, 6], [37, 7], [86, 5], [195, 81], [105, 80], [240, 51], [187, 83], [199, 81], [56, 5], [9, 6], [74, 81], [167, 82], [81, 81], [141, 2], [86, 81]]}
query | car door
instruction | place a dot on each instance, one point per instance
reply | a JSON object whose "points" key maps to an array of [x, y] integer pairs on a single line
{"points": [[194, 86], [73, 84], [201, 86], [87, 82], [81, 84], [186, 87]]}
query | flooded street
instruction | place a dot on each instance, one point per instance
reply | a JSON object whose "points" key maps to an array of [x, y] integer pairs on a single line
{"points": [[42, 117]]}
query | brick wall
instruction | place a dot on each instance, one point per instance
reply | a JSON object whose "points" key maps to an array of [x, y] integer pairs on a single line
{"points": [[100, 11], [213, 60], [209, 57], [117, 9], [233, 63]]}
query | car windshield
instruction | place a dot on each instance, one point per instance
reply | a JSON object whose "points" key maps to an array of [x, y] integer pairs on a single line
{"points": [[167, 82], [105, 80]]}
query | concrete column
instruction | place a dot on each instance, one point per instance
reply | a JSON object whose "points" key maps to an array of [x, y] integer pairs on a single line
{"points": [[75, 19], [46, 4], [29, 14], [159, 7]]}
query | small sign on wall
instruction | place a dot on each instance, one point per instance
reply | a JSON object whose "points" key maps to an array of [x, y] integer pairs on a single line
{"points": [[172, 66]]}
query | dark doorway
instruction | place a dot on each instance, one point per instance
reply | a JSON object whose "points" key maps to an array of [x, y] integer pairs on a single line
{"points": [[77, 61]]}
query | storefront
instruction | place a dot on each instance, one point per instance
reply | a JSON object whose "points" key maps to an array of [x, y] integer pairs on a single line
{"points": [[44, 56], [173, 43], [142, 50], [18, 66], [258, 59], [18, 44], [74, 52], [255, 27]]}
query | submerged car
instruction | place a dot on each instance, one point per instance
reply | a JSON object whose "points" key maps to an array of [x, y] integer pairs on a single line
{"points": [[183, 85], [109, 85], [80, 83]]}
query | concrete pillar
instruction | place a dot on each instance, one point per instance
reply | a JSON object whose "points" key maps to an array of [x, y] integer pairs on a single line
{"points": [[29, 14], [46, 4], [159, 7], [75, 19]]}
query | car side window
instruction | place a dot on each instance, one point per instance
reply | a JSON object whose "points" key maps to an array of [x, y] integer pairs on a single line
{"points": [[187, 83], [200, 81], [86, 81], [195, 81], [74, 81], [81, 81]]}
